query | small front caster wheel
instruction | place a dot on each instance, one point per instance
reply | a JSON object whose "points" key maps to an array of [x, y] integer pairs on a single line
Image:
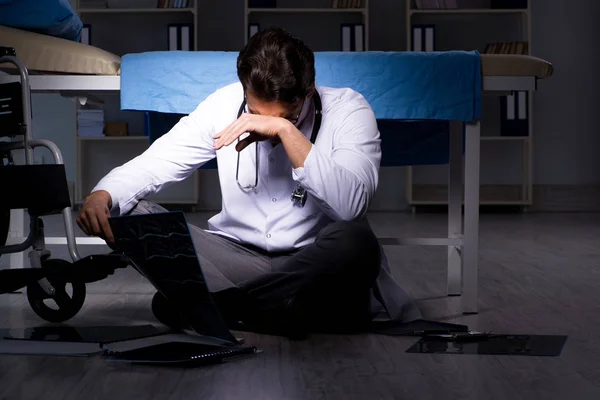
{"points": [[64, 304]]}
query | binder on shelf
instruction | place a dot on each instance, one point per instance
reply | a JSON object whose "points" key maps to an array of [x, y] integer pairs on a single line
{"points": [[430, 38], [515, 114], [252, 29], [86, 34], [423, 38], [186, 37], [417, 38], [346, 38], [353, 37], [173, 37], [359, 37], [180, 37]]}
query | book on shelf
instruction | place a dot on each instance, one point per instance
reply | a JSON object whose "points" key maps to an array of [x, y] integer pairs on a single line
{"points": [[435, 4], [348, 3], [174, 3], [507, 48]]}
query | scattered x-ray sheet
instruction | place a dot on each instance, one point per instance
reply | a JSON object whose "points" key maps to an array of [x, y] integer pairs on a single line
{"points": [[69, 340], [161, 247], [49, 348], [513, 345]]}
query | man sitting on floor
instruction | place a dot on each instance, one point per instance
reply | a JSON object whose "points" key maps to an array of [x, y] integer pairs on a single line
{"points": [[298, 167]]}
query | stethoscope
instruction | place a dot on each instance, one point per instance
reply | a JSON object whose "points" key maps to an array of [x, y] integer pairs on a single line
{"points": [[299, 195]]}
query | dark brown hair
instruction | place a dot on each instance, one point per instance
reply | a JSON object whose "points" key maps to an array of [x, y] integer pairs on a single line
{"points": [[276, 66]]}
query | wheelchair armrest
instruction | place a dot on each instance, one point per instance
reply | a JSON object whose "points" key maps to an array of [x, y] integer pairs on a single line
{"points": [[43, 188]]}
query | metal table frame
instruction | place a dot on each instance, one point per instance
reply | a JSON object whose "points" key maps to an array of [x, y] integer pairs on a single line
{"points": [[463, 228]]}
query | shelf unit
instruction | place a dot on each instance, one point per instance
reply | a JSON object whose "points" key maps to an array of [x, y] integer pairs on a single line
{"points": [[89, 12], [491, 194], [97, 155], [307, 8]]}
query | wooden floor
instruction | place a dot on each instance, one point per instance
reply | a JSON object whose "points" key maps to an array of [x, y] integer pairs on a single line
{"points": [[540, 274]]}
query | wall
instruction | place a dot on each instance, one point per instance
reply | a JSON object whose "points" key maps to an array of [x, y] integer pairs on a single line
{"points": [[567, 136], [53, 118], [566, 140]]}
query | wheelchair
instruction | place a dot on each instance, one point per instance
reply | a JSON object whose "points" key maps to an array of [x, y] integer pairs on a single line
{"points": [[41, 190]]}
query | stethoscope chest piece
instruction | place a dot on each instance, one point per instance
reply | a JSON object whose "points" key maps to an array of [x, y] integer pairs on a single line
{"points": [[299, 196]]}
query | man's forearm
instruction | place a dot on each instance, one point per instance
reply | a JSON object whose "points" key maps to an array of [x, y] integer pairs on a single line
{"points": [[296, 145]]}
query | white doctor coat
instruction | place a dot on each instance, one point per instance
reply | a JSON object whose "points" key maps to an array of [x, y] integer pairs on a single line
{"points": [[340, 174]]}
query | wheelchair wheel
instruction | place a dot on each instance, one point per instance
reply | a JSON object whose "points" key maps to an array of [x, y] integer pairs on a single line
{"points": [[62, 306]]}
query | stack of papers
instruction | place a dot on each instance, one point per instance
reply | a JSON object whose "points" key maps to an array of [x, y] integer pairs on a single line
{"points": [[90, 122]]}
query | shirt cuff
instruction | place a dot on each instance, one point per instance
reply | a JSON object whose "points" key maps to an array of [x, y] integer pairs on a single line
{"points": [[115, 209], [299, 174]]}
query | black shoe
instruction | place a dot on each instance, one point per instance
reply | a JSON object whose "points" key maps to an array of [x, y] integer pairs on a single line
{"points": [[166, 313], [295, 322], [243, 313], [289, 321]]}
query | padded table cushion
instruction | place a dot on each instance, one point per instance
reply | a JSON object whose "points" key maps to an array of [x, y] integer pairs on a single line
{"points": [[515, 65], [45, 53]]}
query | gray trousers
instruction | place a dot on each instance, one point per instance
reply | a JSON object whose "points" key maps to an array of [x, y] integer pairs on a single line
{"points": [[333, 277]]}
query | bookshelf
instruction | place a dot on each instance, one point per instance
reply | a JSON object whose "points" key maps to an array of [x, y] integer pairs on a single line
{"points": [[121, 27], [476, 25], [299, 16]]}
